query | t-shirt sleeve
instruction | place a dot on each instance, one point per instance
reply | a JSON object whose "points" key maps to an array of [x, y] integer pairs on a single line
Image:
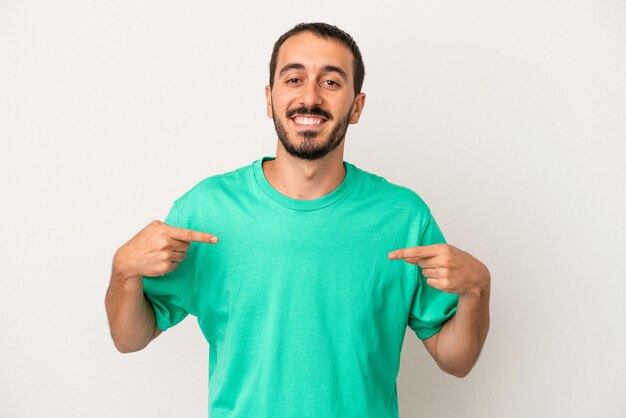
{"points": [[170, 295], [431, 307]]}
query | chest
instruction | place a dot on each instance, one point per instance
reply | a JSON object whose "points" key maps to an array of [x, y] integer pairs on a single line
{"points": [[304, 272]]}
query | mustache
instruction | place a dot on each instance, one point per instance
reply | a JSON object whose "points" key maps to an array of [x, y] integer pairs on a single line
{"points": [[314, 111]]}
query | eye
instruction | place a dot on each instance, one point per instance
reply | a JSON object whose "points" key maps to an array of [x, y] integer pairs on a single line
{"points": [[292, 80], [331, 83]]}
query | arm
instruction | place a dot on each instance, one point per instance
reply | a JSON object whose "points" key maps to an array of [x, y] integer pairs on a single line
{"points": [[154, 251], [131, 317], [456, 347]]}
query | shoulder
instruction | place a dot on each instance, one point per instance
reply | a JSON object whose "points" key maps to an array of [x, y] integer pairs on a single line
{"points": [[213, 187], [399, 196]]}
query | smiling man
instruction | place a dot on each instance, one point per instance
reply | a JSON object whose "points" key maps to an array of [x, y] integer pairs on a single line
{"points": [[300, 100], [319, 268]]}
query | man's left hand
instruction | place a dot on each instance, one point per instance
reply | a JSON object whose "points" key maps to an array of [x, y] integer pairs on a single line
{"points": [[447, 268]]}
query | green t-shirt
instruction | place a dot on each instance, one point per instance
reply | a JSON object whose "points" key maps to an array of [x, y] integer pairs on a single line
{"points": [[304, 313]]}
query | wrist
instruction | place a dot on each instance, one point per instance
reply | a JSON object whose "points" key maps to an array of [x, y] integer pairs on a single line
{"points": [[121, 272], [483, 286]]}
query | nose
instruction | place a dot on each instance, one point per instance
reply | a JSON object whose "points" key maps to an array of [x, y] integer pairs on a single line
{"points": [[311, 95]]}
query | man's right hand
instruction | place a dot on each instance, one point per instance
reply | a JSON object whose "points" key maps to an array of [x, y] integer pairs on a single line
{"points": [[156, 250]]}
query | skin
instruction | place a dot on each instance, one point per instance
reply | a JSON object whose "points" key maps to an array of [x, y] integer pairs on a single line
{"points": [[456, 347], [311, 85], [154, 251], [311, 72]]}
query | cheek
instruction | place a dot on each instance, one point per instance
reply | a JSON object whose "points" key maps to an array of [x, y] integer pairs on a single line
{"points": [[280, 107]]}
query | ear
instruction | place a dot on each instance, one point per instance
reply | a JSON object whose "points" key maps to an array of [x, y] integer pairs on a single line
{"points": [[268, 101], [359, 102]]}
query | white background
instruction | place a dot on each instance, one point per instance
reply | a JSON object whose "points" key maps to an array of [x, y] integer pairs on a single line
{"points": [[508, 118]]}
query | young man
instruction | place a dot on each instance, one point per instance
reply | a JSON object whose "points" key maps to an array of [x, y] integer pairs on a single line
{"points": [[319, 268]]}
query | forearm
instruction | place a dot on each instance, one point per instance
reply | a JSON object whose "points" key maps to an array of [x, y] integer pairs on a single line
{"points": [[461, 339], [131, 318]]}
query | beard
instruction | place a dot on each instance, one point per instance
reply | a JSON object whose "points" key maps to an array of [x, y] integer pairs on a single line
{"points": [[308, 148]]}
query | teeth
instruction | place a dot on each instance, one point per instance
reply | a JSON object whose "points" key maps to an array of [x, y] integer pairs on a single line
{"points": [[308, 121]]}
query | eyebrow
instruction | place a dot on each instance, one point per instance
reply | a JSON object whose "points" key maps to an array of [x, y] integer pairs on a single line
{"points": [[326, 69]]}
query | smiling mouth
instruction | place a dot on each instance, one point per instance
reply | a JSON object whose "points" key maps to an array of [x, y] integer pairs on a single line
{"points": [[308, 121]]}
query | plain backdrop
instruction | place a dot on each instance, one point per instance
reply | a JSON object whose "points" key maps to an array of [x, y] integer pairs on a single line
{"points": [[507, 118]]}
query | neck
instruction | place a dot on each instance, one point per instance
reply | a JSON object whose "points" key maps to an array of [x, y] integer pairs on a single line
{"points": [[305, 179]]}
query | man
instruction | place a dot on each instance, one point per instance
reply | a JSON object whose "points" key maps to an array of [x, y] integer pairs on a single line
{"points": [[319, 268]]}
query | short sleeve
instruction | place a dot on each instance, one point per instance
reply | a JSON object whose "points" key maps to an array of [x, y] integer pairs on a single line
{"points": [[170, 295], [431, 307]]}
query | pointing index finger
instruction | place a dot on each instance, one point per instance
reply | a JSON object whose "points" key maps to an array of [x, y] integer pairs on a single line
{"points": [[424, 251], [189, 235]]}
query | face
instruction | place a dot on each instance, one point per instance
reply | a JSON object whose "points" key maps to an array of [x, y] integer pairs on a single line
{"points": [[312, 100]]}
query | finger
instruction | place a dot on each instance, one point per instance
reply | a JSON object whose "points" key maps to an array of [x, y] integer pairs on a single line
{"points": [[178, 256], [415, 252], [179, 246], [426, 262], [431, 273], [189, 235], [419, 261], [434, 283]]}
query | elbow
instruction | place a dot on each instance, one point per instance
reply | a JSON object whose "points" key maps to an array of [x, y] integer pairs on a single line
{"points": [[460, 373], [129, 341], [459, 366], [459, 370], [124, 350], [126, 347]]}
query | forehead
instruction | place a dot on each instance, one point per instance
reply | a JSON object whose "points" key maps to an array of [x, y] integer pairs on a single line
{"points": [[314, 52]]}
